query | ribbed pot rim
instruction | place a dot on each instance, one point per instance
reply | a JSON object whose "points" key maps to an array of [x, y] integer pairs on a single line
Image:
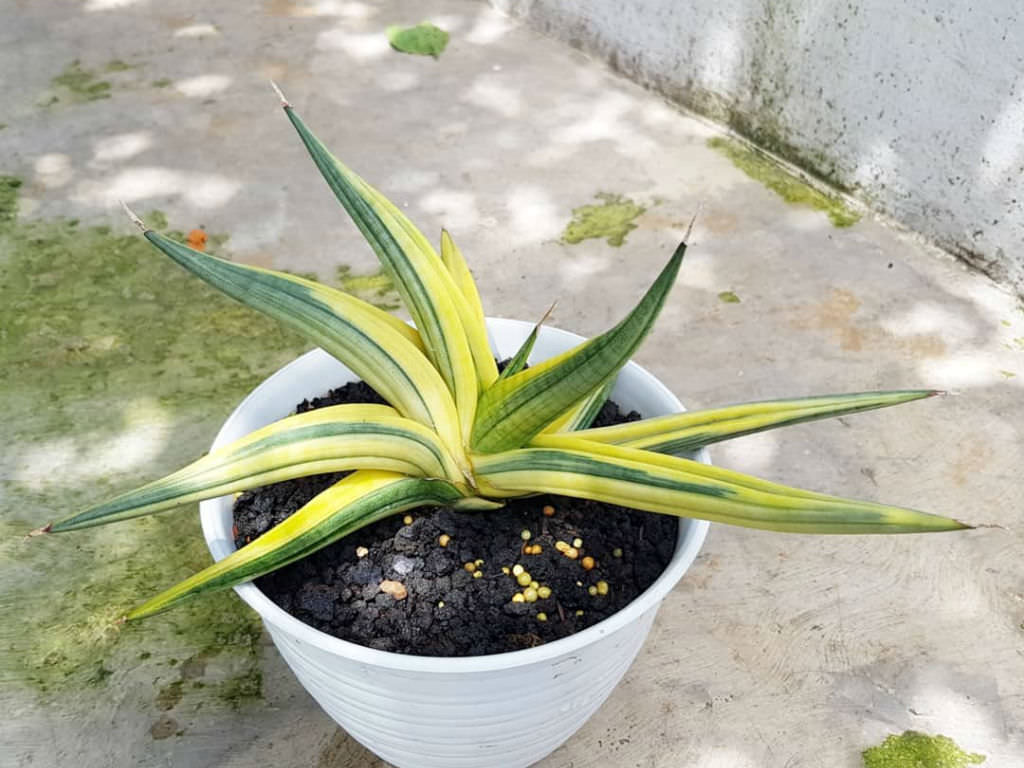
{"points": [[691, 537]]}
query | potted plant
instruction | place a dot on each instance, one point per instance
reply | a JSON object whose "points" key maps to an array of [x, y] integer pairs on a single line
{"points": [[459, 433]]}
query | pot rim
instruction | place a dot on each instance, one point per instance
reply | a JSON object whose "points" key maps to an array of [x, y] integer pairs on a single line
{"points": [[692, 533]]}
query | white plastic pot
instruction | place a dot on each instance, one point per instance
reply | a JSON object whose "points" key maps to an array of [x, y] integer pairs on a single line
{"points": [[504, 710]]}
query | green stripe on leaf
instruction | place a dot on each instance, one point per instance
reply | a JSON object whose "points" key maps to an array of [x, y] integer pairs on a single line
{"points": [[516, 409], [334, 439], [681, 433], [684, 488]]}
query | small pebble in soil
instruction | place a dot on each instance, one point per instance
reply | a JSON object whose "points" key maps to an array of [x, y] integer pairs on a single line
{"points": [[394, 588], [449, 608]]}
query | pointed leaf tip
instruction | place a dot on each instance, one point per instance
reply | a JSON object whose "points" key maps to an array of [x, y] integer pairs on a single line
{"points": [[689, 228], [548, 314], [280, 94], [134, 217], [968, 526]]}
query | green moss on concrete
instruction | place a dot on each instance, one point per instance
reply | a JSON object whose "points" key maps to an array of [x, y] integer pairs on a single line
{"points": [[762, 168], [912, 749], [376, 288], [80, 85], [237, 690], [116, 65], [106, 343], [156, 219], [9, 187], [728, 297], [612, 219], [163, 82], [424, 39]]}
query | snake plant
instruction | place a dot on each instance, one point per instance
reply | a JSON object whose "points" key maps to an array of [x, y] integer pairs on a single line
{"points": [[457, 432]]}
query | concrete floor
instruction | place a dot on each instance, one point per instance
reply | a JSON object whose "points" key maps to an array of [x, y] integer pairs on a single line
{"points": [[775, 651]]}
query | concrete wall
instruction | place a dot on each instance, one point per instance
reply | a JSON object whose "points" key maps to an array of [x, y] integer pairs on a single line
{"points": [[914, 106]]}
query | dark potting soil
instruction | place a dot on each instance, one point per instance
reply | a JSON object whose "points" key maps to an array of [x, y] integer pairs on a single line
{"points": [[447, 611]]}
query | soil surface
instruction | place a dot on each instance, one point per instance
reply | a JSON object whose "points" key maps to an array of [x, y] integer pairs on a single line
{"points": [[394, 587]]}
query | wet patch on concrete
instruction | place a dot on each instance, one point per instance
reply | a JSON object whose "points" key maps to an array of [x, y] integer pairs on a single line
{"points": [[912, 749], [612, 220], [790, 188]]}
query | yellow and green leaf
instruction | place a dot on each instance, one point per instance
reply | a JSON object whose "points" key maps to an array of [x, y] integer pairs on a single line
{"points": [[471, 311], [379, 348], [333, 439], [518, 361], [669, 485], [455, 339], [519, 407], [353, 502], [681, 433], [582, 415]]}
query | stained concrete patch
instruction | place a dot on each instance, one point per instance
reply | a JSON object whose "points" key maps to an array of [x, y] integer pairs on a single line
{"points": [[612, 219], [912, 749], [423, 40], [164, 728], [169, 696], [762, 168]]}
